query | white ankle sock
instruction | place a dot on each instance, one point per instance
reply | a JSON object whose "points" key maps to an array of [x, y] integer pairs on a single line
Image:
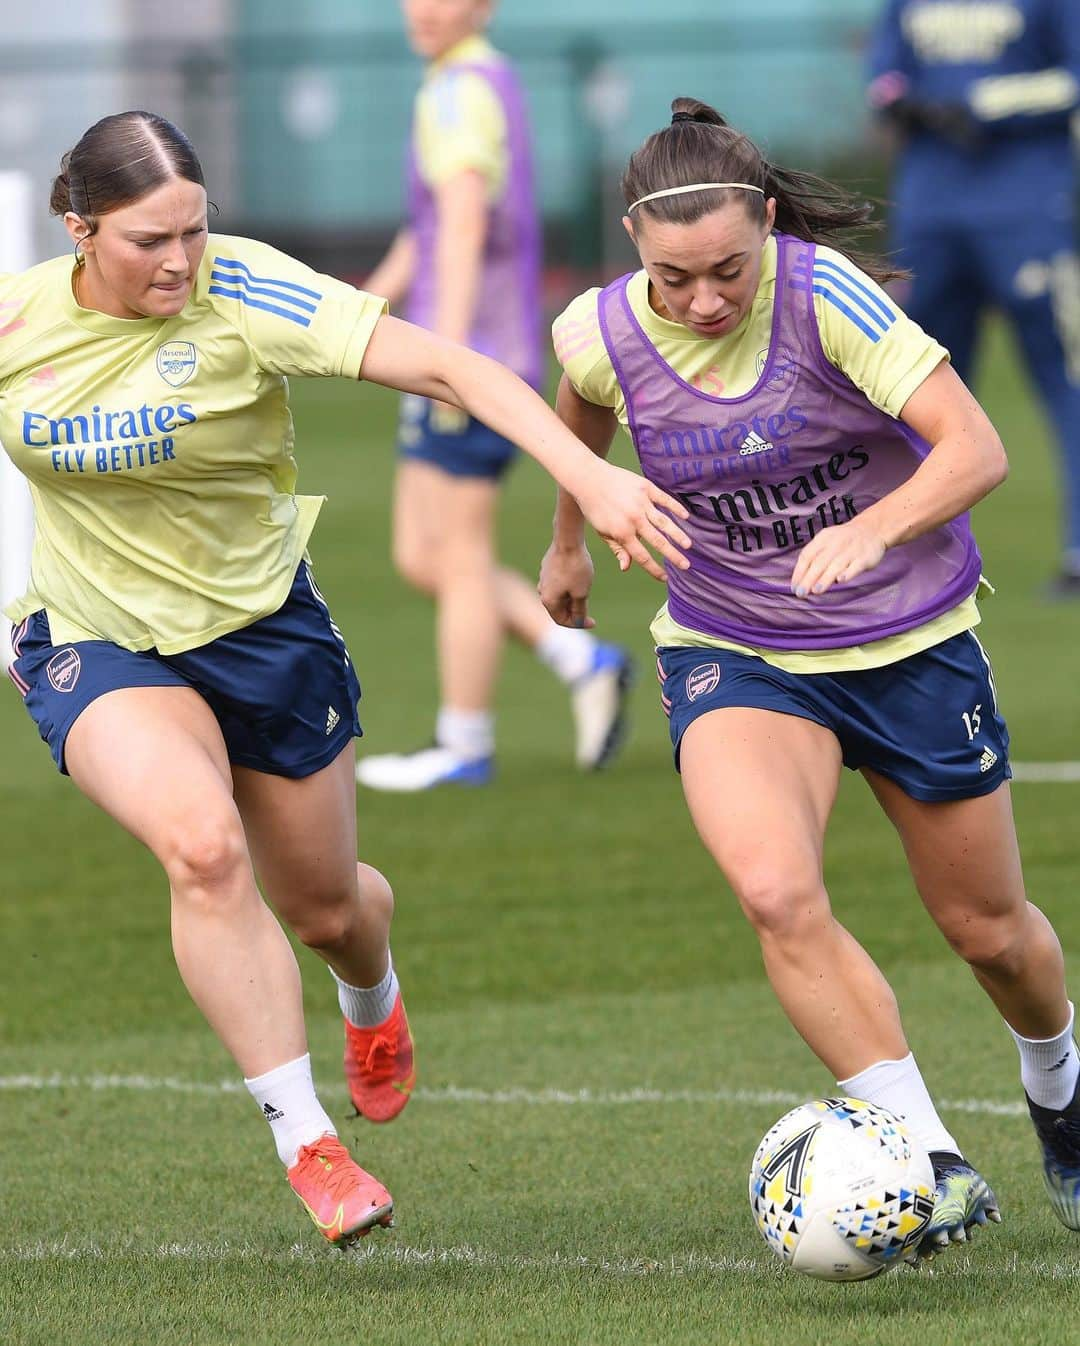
{"points": [[898, 1086], [567, 651], [467, 733], [1049, 1067], [366, 1006], [287, 1097]]}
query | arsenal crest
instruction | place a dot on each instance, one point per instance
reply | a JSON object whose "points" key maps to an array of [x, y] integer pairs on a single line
{"points": [[176, 362], [63, 669], [702, 680]]}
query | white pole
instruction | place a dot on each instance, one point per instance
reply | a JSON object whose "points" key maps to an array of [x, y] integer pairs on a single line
{"points": [[16, 510]]}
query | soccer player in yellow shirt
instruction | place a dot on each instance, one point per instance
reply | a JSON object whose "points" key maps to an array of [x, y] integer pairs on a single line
{"points": [[172, 645], [828, 455], [469, 261]]}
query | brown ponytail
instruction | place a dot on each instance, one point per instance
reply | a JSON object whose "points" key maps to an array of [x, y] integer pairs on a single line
{"points": [[700, 146]]}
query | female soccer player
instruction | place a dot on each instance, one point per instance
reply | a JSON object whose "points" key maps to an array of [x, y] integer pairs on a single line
{"points": [[173, 647], [469, 261], [828, 455]]}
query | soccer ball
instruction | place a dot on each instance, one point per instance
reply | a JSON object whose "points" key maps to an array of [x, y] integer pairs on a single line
{"points": [[840, 1189]]}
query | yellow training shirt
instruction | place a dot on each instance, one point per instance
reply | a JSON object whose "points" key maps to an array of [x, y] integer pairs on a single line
{"points": [[159, 452], [459, 122], [887, 370]]}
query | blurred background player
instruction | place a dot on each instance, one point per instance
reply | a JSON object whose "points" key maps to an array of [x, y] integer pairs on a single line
{"points": [[981, 95], [827, 618], [172, 646], [469, 260]]}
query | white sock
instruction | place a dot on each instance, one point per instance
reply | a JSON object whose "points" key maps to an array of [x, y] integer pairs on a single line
{"points": [[366, 1006], [287, 1098], [467, 733], [567, 651], [1049, 1067], [898, 1086]]}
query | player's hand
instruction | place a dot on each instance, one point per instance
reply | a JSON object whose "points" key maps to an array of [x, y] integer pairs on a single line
{"points": [[835, 556], [632, 514], [566, 576], [953, 122]]}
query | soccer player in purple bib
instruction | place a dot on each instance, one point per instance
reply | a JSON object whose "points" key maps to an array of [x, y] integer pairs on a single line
{"points": [[172, 646], [469, 261], [828, 455]]}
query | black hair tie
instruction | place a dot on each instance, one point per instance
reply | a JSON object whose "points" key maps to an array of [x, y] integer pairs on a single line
{"points": [[682, 117]]}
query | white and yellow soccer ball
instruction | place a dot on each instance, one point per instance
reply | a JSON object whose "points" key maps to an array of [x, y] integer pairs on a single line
{"points": [[840, 1189]]}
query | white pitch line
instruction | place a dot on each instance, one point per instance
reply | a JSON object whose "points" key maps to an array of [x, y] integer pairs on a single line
{"points": [[1046, 773], [388, 1250], [529, 1098]]}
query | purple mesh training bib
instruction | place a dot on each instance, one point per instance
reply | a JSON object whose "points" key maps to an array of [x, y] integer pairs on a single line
{"points": [[762, 473], [506, 324]]}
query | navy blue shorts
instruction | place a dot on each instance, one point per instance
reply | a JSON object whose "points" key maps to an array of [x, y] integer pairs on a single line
{"points": [[930, 722], [471, 449], [283, 689]]}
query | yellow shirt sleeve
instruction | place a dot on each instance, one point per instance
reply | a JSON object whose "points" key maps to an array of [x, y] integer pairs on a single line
{"points": [[867, 337], [460, 125], [296, 321], [580, 350]]}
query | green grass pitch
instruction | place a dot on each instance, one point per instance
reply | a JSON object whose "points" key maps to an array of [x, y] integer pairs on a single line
{"points": [[599, 1053]]}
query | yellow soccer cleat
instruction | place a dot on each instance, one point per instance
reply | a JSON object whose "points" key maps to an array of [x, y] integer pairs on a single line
{"points": [[963, 1200]]}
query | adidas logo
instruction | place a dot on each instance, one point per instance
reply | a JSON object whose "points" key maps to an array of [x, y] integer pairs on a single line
{"points": [[753, 443], [333, 719], [271, 1113], [987, 760]]}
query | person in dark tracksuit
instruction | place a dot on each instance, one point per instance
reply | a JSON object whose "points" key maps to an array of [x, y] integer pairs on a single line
{"points": [[983, 94]]}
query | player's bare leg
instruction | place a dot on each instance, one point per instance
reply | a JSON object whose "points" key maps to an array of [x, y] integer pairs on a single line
{"points": [[966, 864], [597, 674], [155, 760], [303, 840], [444, 546], [760, 786]]}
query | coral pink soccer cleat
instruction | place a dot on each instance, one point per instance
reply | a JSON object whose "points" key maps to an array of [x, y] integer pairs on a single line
{"points": [[344, 1202], [379, 1065]]}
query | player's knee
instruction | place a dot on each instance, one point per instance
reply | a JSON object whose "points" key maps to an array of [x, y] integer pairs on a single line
{"points": [[991, 943], [779, 901], [415, 566], [328, 919], [327, 923], [206, 859], [375, 890], [466, 551]]}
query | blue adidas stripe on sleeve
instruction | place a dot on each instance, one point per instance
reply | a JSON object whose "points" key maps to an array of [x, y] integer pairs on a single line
{"points": [[849, 295], [234, 280]]}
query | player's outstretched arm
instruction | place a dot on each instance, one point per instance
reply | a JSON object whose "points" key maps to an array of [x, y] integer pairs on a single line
{"points": [[566, 572], [966, 461], [630, 513]]}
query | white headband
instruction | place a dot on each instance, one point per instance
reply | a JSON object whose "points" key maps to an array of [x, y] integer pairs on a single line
{"points": [[694, 187]]}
